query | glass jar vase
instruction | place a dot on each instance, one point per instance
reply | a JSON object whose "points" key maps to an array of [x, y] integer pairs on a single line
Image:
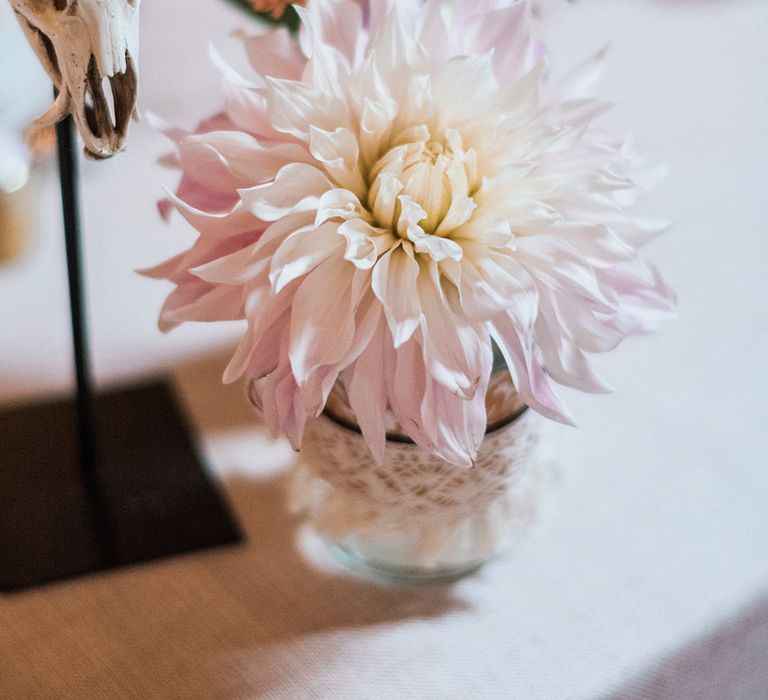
{"points": [[415, 517]]}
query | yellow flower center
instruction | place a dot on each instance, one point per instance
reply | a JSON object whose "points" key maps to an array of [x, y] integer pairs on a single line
{"points": [[422, 170]]}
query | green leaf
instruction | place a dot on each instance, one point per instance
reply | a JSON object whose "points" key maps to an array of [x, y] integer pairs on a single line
{"points": [[289, 19]]}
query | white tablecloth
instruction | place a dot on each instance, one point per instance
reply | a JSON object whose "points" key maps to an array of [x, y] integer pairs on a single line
{"points": [[647, 577]]}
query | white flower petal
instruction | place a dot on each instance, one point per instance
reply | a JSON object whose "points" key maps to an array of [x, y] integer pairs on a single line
{"points": [[302, 252], [487, 229], [338, 204], [296, 188], [453, 346], [385, 194], [375, 123], [322, 318], [338, 151], [433, 30], [437, 247], [460, 211], [393, 46], [460, 84], [364, 243], [454, 425], [394, 283], [521, 99], [411, 213]]}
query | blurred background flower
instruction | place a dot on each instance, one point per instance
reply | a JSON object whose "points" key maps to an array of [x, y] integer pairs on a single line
{"points": [[271, 11], [274, 8], [24, 91]]}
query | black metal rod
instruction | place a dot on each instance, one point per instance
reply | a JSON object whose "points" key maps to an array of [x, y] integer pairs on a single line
{"points": [[66, 142], [86, 426]]}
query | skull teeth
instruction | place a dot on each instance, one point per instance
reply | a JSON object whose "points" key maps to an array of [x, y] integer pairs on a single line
{"points": [[67, 36]]}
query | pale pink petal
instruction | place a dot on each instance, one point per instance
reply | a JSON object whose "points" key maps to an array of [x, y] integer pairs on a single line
{"points": [[247, 109], [335, 24], [434, 31], [406, 386], [292, 107], [274, 53], [493, 283], [580, 83], [229, 221], [246, 159], [283, 412], [243, 354], [321, 379], [263, 354], [455, 426], [597, 243], [203, 302], [646, 301], [378, 11], [367, 391], [529, 378], [506, 31], [563, 360], [248, 266], [554, 263], [206, 249]]}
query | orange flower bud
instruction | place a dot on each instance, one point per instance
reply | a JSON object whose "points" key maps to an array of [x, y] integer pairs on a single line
{"points": [[275, 8]]}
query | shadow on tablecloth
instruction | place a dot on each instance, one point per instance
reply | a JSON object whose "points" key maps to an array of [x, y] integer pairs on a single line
{"points": [[731, 662], [240, 621], [269, 563]]}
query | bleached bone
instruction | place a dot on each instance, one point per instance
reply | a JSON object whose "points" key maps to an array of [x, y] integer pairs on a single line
{"points": [[85, 45]]}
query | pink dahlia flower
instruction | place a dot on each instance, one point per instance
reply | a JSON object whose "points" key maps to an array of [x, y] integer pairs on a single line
{"points": [[386, 199]]}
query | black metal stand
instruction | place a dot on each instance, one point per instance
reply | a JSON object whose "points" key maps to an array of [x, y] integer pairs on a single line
{"points": [[105, 480]]}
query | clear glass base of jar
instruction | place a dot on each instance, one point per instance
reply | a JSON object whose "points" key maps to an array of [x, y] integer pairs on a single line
{"points": [[389, 565]]}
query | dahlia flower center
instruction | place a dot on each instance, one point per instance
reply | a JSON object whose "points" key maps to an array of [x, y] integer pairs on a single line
{"points": [[425, 174]]}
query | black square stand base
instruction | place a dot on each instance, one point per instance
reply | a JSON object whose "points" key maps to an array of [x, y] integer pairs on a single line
{"points": [[155, 498]]}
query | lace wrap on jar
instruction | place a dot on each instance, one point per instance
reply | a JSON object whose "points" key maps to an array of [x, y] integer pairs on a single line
{"points": [[416, 515]]}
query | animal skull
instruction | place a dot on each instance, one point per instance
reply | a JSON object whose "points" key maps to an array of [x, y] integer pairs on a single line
{"points": [[80, 44]]}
